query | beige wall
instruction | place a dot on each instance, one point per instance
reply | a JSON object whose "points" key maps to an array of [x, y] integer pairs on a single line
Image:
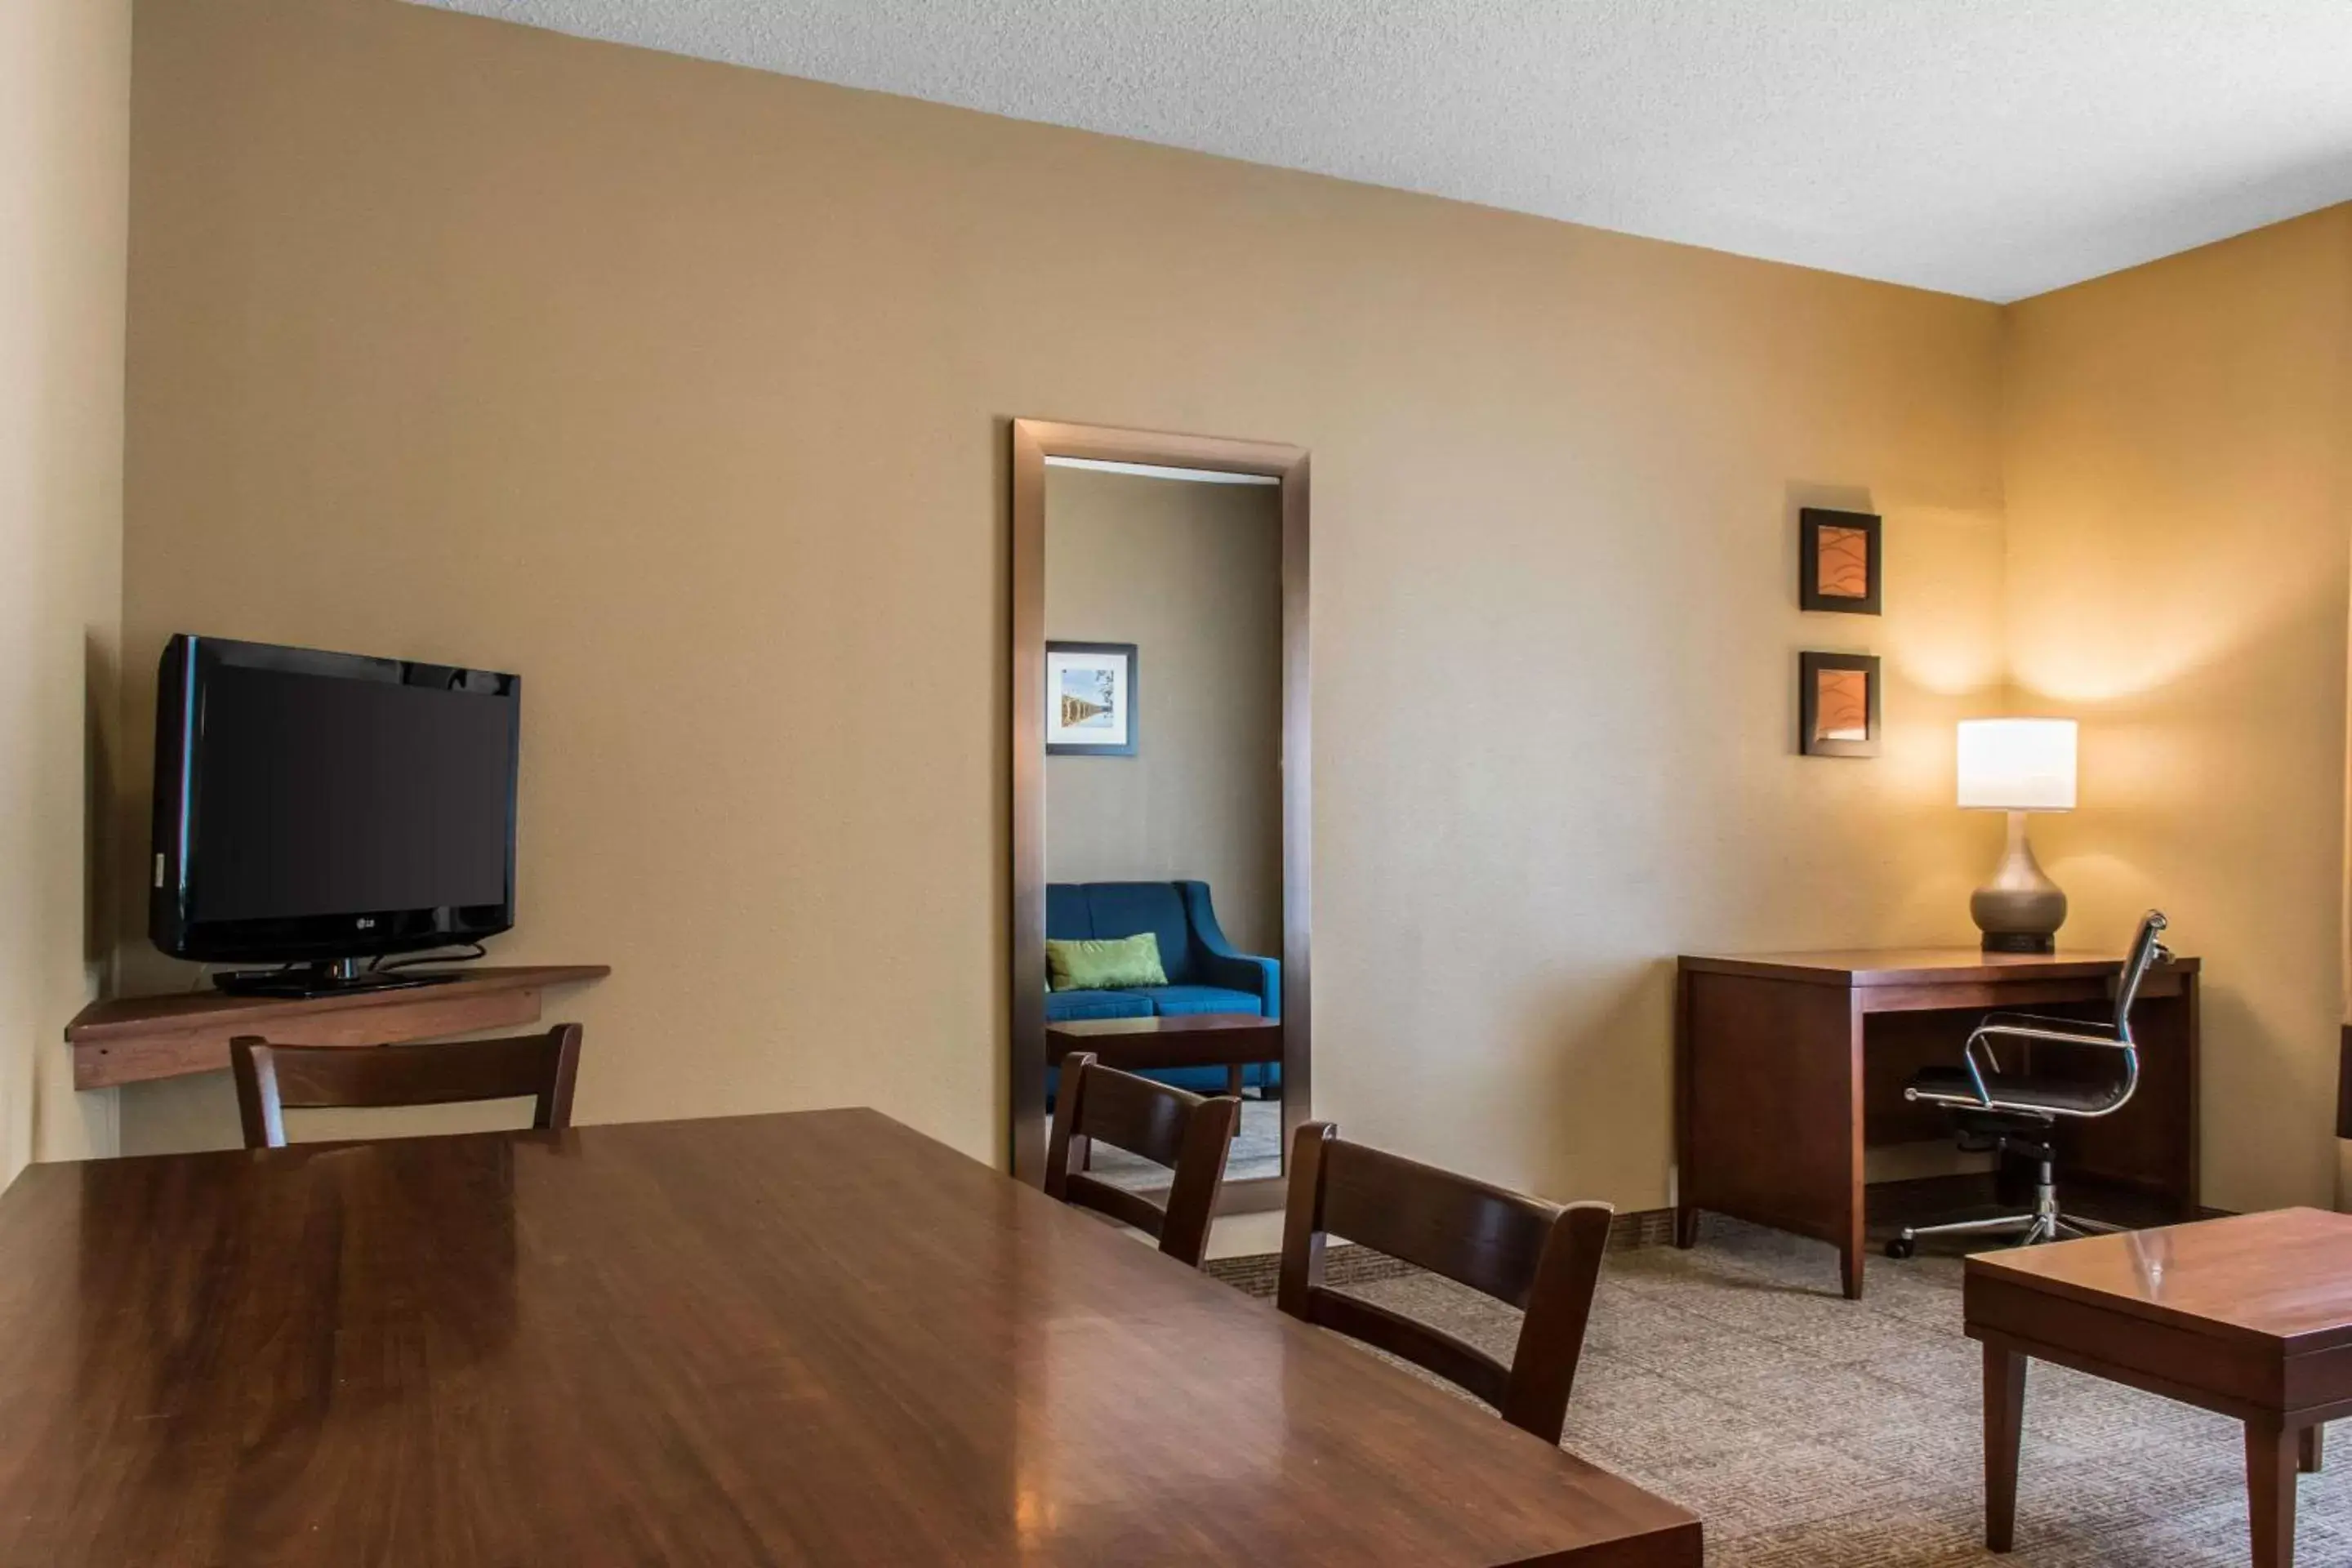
{"points": [[681, 390], [2180, 516], [64, 121], [1192, 574]]}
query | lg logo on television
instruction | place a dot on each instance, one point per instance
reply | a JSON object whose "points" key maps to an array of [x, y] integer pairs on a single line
{"points": [[366, 924]]}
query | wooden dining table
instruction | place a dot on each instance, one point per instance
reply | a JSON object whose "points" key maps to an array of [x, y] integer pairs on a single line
{"points": [[818, 1338]]}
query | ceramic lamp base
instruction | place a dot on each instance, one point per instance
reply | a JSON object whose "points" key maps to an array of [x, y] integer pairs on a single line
{"points": [[2020, 910]]}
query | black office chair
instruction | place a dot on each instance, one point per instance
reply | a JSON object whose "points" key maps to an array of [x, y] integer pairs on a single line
{"points": [[2016, 1112]]}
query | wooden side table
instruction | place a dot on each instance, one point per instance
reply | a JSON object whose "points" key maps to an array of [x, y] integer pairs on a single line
{"points": [[2249, 1317], [1229, 1040]]}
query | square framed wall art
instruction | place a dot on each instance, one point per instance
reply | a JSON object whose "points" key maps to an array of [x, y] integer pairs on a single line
{"points": [[1090, 700], [1837, 704], [1839, 562]]}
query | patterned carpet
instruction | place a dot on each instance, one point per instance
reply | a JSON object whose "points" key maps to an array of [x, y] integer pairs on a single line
{"points": [[1811, 1432], [1256, 1152]]}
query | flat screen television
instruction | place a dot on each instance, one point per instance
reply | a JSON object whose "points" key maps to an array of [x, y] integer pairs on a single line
{"points": [[318, 810]]}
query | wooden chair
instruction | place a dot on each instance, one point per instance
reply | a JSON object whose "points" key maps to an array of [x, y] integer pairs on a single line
{"points": [[309, 1078], [1184, 1132], [1538, 1257]]}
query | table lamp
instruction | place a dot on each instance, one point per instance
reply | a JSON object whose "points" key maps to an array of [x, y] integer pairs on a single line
{"points": [[2018, 766]]}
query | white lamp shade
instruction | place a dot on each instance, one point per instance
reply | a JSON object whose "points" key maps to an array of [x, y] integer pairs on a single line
{"points": [[2017, 765]]}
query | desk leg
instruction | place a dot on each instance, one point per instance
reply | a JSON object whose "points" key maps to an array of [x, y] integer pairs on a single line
{"points": [[1685, 1212], [2272, 1451], [1849, 1256], [2004, 1421], [2314, 1455]]}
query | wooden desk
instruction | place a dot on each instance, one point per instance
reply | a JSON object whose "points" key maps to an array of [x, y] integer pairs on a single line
{"points": [[2248, 1316], [1787, 1064], [792, 1340]]}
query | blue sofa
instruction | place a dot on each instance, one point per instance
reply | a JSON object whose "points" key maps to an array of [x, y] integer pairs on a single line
{"points": [[1205, 975]]}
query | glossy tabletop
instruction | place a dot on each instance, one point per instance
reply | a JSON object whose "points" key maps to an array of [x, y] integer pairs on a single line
{"points": [[2284, 1276], [808, 1339]]}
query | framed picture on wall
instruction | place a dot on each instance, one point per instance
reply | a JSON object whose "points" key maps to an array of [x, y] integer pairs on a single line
{"points": [[1090, 700], [1839, 564], [1837, 704]]}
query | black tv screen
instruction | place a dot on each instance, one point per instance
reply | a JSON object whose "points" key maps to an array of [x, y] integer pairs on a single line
{"points": [[316, 805]]}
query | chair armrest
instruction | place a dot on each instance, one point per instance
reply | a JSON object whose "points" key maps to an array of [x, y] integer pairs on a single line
{"points": [[2030, 1027], [1261, 977], [1221, 963], [2096, 1027], [2044, 1030]]}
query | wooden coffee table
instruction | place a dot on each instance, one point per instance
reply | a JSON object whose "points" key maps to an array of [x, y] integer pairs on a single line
{"points": [[2249, 1317], [1229, 1040]]}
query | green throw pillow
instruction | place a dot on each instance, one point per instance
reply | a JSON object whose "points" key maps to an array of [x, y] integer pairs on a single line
{"points": [[1099, 965]]}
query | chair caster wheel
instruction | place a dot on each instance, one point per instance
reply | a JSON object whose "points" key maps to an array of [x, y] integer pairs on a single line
{"points": [[1902, 1247]]}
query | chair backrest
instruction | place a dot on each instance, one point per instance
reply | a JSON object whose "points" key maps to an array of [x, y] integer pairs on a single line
{"points": [[1540, 1258], [2146, 953], [269, 1078], [1184, 1132]]}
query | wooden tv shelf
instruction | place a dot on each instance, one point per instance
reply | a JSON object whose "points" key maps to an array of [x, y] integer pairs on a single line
{"points": [[131, 1039]]}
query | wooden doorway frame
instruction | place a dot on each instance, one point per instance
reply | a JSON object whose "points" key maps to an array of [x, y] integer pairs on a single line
{"points": [[1033, 441]]}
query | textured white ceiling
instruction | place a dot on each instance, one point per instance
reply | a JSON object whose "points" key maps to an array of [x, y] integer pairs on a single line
{"points": [[1995, 148]]}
